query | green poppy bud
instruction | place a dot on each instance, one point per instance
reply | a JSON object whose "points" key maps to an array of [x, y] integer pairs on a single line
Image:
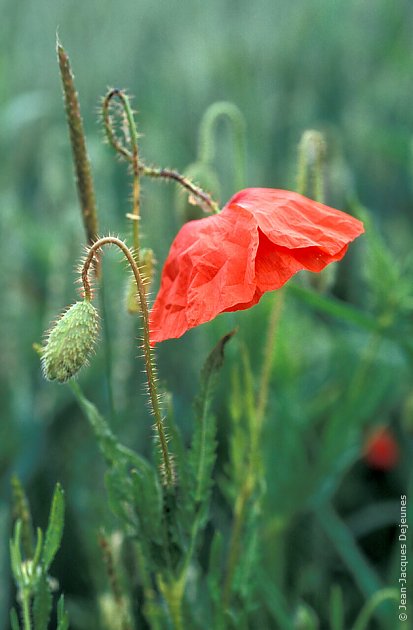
{"points": [[70, 342]]}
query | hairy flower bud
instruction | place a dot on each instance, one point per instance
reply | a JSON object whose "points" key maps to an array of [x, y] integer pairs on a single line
{"points": [[70, 342]]}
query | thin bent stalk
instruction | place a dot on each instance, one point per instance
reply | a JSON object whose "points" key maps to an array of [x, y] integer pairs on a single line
{"points": [[168, 472]]}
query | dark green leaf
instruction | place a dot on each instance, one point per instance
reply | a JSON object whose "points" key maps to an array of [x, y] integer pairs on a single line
{"points": [[54, 530], [15, 552], [148, 501], [42, 604], [202, 454], [62, 616], [120, 497], [215, 568]]}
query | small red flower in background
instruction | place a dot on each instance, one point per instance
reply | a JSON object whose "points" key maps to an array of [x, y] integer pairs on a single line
{"points": [[227, 261], [381, 450]]}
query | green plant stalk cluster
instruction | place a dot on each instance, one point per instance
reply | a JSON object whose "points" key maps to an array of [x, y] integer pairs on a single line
{"points": [[165, 512], [30, 565]]}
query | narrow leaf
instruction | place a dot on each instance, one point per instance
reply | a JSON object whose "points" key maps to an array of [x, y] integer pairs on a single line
{"points": [[202, 454], [346, 546], [62, 616], [42, 604], [21, 510], [120, 498], [214, 575], [148, 501], [54, 530], [15, 553]]}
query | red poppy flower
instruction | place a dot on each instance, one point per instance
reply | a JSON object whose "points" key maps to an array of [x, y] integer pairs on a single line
{"points": [[227, 261], [381, 450]]}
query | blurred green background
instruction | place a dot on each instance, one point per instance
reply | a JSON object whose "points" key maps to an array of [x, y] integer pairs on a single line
{"points": [[343, 67]]}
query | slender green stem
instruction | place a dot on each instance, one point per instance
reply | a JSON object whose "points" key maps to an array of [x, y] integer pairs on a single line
{"points": [[168, 472], [114, 582], [273, 326], [364, 575], [206, 150], [173, 594], [311, 158], [370, 606], [240, 512], [107, 350], [256, 423], [151, 609], [27, 624]]}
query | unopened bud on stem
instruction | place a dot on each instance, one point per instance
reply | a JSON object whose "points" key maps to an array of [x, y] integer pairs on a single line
{"points": [[70, 342]]}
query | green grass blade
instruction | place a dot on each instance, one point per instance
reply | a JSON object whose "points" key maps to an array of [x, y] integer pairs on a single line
{"points": [[54, 530], [62, 616]]}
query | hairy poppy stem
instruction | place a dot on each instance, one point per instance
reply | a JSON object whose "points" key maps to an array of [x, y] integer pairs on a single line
{"points": [[203, 199], [149, 360], [132, 155]]}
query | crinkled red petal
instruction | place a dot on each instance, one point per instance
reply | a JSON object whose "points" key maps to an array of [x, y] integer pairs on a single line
{"points": [[226, 262]]}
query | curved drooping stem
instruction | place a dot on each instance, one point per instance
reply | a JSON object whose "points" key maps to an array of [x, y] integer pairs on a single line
{"points": [[168, 471], [207, 134], [311, 161], [202, 198], [131, 155]]}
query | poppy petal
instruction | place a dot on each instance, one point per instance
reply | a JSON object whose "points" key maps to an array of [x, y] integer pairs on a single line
{"points": [[210, 268], [293, 221], [226, 262]]}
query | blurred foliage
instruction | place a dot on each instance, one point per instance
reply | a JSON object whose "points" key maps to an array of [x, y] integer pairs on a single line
{"points": [[320, 544]]}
